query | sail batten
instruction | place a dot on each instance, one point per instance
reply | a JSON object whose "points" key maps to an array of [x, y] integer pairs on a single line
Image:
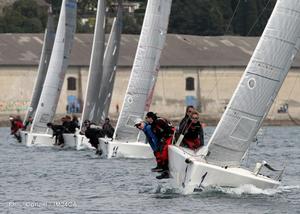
{"points": [[145, 67], [258, 86]]}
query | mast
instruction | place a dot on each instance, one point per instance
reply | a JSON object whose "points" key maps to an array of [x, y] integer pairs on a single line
{"points": [[146, 62], [57, 67], [258, 87]]}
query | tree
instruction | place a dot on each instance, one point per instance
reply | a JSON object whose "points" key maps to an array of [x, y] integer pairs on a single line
{"points": [[252, 16], [198, 17], [23, 16], [130, 25]]}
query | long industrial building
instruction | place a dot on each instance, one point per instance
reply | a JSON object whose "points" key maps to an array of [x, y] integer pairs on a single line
{"points": [[195, 70]]}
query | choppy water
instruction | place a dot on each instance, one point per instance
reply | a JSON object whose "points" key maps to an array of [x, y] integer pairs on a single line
{"points": [[48, 180]]}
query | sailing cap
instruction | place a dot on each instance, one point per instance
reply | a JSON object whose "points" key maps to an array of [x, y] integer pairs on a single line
{"points": [[138, 121]]}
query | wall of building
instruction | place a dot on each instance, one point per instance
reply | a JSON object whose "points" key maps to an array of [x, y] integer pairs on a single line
{"points": [[213, 87]]}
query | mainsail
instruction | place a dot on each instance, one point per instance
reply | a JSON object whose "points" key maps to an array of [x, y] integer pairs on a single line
{"points": [[110, 66], [96, 66], [258, 87], [43, 66], [57, 67], [145, 64]]}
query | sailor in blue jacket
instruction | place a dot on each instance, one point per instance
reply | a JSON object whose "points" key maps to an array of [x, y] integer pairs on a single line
{"points": [[153, 141]]}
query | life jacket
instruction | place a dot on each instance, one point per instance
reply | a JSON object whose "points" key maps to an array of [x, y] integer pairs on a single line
{"points": [[17, 124], [162, 128]]}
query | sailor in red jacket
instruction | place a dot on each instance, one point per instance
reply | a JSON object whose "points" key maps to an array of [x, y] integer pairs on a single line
{"points": [[16, 125]]}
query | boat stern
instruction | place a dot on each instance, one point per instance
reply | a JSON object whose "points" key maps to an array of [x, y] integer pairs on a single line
{"points": [[35, 139], [118, 149]]}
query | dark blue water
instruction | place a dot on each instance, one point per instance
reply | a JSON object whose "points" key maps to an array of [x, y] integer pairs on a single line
{"points": [[49, 180]]}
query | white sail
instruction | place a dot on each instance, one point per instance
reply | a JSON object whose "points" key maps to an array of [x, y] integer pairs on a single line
{"points": [[145, 64], [57, 67], [43, 66], [96, 66], [258, 87], [110, 66]]}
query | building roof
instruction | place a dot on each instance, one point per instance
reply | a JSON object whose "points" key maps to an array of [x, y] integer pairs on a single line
{"points": [[179, 51]]}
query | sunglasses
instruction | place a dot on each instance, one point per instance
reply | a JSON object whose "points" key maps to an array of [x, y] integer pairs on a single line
{"points": [[195, 118]]}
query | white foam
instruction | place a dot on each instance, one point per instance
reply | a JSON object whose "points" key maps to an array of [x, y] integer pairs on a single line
{"points": [[248, 189]]}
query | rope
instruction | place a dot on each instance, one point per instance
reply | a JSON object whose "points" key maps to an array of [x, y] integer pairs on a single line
{"points": [[231, 19], [258, 18]]}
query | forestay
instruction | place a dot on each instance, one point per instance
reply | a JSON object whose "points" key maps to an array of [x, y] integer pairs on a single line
{"points": [[145, 64], [96, 66], [110, 66], [43, 66], [258, 87], [57, 67]]}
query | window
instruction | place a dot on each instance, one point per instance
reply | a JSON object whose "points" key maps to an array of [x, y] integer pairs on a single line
{"points": [[71, 84], [190, 84]]}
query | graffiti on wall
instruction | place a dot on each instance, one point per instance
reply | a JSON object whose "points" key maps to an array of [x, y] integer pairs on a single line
{"points": [[14, 106]]}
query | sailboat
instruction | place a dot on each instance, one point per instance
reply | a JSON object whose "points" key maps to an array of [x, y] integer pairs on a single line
{"points": [[101, 98], [143, 76], [42, 70], [55, 76], [94, 78], [219, 164]]}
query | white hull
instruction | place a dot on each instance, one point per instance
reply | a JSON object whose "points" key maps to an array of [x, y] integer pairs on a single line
{"points": [[119, 149], [190, 175], [80, 141], [23, 136], [34, 139]]}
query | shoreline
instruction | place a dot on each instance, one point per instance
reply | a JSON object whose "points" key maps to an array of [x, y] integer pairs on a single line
{"points": [[209, 120]]}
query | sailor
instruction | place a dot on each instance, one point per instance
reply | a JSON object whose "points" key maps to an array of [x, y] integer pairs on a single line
{"points": [[71, 124], [58, 131], [16, 125], [108, 129], [193, 132], [152, 140], [164, 131], [93, 134], [186, 120], [75, 120], [28, 123]]}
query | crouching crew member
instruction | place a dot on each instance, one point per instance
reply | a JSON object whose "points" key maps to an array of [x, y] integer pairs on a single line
{"points": [[164, 131]]}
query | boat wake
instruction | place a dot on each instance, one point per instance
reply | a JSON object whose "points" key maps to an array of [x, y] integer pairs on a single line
{"points": [[289, 188], [247, 189]]}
